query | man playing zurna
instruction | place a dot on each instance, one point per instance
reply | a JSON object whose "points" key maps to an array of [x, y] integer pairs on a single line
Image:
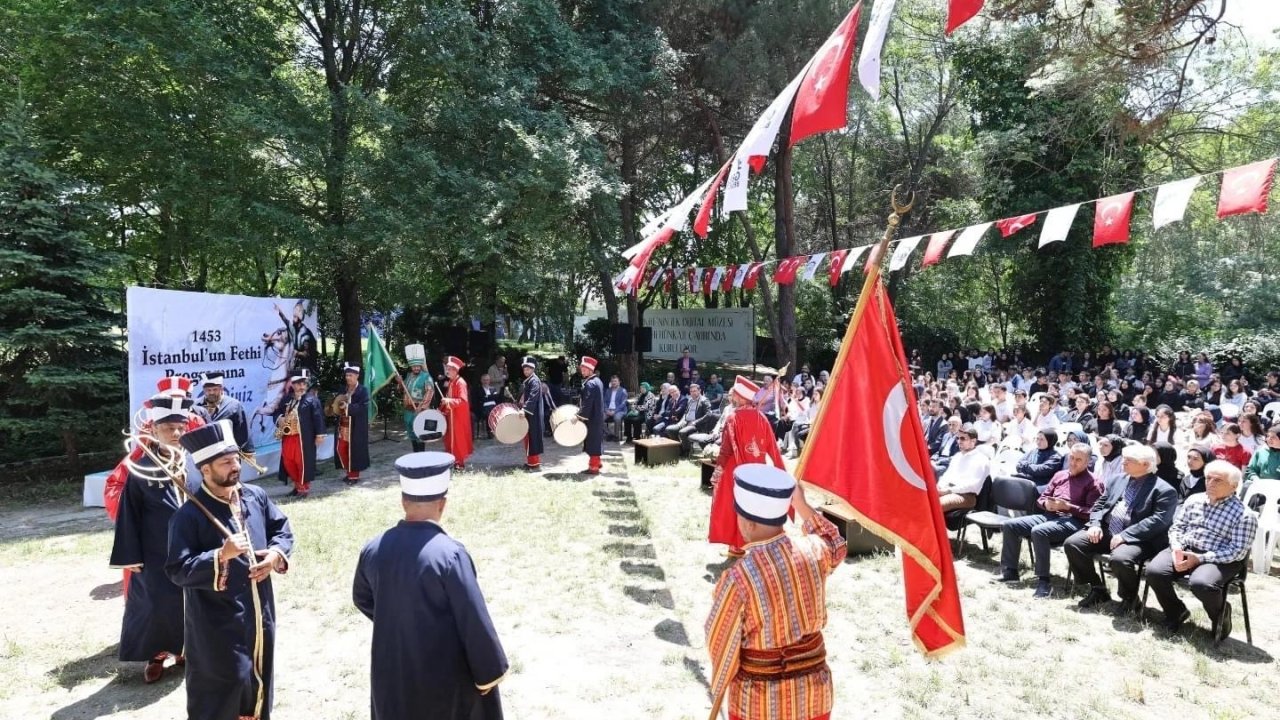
{"points": [[351, 451]]}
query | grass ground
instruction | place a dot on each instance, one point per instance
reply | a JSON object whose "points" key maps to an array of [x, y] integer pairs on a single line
{"points": [[599, 588]]}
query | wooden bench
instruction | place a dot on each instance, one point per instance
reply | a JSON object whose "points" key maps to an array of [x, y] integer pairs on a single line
{"points": [[657, 451], [860, 540], [708, 467]]}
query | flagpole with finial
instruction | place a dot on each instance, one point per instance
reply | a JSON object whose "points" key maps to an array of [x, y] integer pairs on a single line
{"points": [[869, 285]]}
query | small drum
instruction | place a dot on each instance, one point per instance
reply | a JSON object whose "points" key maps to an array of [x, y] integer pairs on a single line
{"points": [[566, 428], [508, 423], [429, 425]]}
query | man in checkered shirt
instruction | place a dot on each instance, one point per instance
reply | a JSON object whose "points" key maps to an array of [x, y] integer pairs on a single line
{"points": [[1209, 541]]}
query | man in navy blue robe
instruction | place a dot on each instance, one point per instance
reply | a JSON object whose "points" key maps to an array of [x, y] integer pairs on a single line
{"points": [[351, 450], [226, 582], [591, 411], [435, 651], [152, 627], [531, 400]]}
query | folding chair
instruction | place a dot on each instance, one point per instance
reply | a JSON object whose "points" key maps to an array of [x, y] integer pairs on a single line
{"points": [[1236, 582], [1010, 494], [958, 520]]}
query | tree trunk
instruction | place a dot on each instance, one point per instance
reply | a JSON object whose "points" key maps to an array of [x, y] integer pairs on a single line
{"points": [[784, 223], [629, 363], [347, 289]]}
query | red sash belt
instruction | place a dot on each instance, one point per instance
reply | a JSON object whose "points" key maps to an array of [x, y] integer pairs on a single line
{"points": [[808, 655]]}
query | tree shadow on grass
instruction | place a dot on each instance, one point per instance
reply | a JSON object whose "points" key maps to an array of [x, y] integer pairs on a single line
{"points": [[643, 570], [125, 691], [623, 515], [650, 596], [715, 570], [671, 631], [565, 477], [634, 551]]}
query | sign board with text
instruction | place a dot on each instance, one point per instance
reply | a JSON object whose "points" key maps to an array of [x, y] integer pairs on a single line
{"points": [[716, 335]]}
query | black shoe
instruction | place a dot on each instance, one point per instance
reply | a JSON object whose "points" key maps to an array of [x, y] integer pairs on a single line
{"points": [[350, 480], [1129, 606], [285, 481], [293, 493], [589, 471], [1044, 588], [1007, 576], [1096, 596], [532, 468], [1223, 631], [1174, 623]]}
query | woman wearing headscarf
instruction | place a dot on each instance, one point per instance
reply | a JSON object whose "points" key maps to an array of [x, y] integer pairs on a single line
{"points": [[1139, 425], [1167, 465], [1109, 464], [1042, 463], [1193, 482]]}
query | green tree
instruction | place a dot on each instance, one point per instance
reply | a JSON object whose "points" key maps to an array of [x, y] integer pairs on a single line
{"points": [[59, 366]]}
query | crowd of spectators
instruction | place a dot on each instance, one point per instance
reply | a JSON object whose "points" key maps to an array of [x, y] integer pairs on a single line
{"points": [[1145, 465]]}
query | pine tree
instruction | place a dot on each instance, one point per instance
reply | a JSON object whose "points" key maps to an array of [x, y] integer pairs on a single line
{"points": [[60, 367]]}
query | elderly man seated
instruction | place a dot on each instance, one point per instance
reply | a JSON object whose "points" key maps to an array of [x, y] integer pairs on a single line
{"points": [[1067, 500], [1131, 521], [959, 486], [696, 417], [949, 446], [1210, 537]]}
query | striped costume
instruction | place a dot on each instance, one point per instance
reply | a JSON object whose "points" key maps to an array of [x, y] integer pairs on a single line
{"points": [[773, 599]]}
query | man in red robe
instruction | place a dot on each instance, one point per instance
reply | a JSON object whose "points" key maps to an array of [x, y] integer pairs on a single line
{"points": [[174, 386], [747, 437], [456, 406]]}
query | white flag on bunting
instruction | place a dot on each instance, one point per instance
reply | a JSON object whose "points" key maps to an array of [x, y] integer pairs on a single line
{"points": [[657, 277], [872, 44], [1171, 201], [811, 268], [852, 258], [741, 274], [1057, 224], [758, 142], [968, 239], [716, 278], [902, 252]]}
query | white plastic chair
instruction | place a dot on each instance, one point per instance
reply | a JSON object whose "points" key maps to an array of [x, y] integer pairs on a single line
{"points": [[1264, 545], [1272, 411]]}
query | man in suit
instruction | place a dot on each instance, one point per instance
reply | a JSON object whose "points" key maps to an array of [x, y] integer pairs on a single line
{"points": [[670, 411], [935, 423], [684, 369], [697, 417], [1130, 521], [950, 445], [615, 407]]}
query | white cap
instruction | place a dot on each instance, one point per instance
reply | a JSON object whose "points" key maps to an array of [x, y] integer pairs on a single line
{"points": [[425, 476], [762, 493], [415, 354]]}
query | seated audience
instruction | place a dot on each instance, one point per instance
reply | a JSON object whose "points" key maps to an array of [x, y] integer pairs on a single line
{"points": [[1167, 463], [1131, 522], [1020, 432], [799, 431], [646, 405], [615, 408], [1042, 463], [1047, 416], [949, 447], [1209, 540], [1066, 502], [1139, 424], [959, 485], [1198, 456], [696, 417], [1109, 465], [987, 425], [1165, 428], [1104, 421], [1265, 463], [1252, 433], [1231, 450], [707, 443], [714, 391]]}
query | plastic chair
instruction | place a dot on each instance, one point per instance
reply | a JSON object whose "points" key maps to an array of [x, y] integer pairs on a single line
{"points": [[958, 520], [1236, 582], [1272, 411], [1010, 494], [1264, 544]]}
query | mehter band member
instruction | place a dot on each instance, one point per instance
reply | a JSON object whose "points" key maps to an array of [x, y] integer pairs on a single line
{"points": [[300, 429], [747, 437], [533, 404], [226, 581], [351, 452], [591, 412], [219, 406], [419, 390], [456, 405], [435, 651]]}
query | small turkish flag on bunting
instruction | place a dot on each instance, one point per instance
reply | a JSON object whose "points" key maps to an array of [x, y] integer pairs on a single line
{"points": [[1009, 226], [960, 12], [693, 280], [787, 269], [1245, 189], [837, 262], [708, 277], [703, 221], [753, 276], [727, 283], [666, 284], [822, 102], [1111, 220], [937, 246]]}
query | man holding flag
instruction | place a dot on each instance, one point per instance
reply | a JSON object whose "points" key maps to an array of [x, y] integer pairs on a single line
{"points": [[883, 472]]}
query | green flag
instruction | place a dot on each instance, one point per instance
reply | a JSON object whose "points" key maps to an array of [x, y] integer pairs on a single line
{"points": [[379, 368]]}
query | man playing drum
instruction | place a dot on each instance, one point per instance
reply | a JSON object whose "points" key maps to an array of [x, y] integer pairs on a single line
{"points": [[531, 401], [591, 412], [419, 388]]}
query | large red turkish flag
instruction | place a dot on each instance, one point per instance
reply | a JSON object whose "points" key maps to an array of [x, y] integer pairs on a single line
{"points": [[1245, 189], [1111, 220], [867, 446], [822, 101]]}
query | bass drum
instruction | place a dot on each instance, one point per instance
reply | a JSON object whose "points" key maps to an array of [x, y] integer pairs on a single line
{"points": [[566, 428], [429, 425], [508, 423]]}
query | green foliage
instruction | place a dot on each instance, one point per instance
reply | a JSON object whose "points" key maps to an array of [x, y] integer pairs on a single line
{"points": [[60, 381], [596, 338], [1260, 350]]}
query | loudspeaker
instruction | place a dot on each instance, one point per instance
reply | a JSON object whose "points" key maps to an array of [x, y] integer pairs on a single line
{"points": [[644, 339], [621, 339], [478, 342]]}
